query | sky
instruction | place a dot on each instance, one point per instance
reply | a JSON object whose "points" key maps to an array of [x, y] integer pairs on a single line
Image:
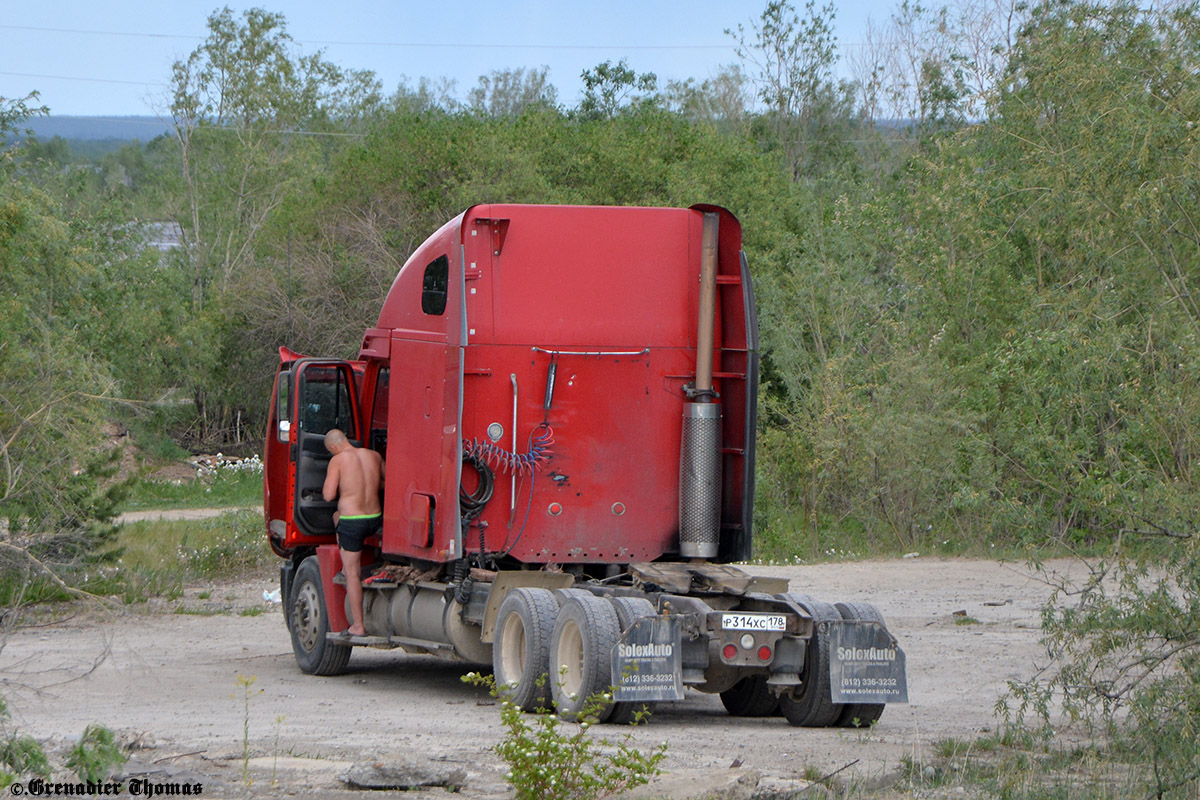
{"points": [[114, 58]]}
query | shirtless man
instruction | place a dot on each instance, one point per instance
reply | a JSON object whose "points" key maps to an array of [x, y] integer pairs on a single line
{"points": [[354, 478]]}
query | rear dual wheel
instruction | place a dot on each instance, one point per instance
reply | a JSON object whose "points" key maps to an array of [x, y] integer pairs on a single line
{"points": [[811, 705], [520, 653], [630, 610], [750, 697], [581, 656], [859, 715]]}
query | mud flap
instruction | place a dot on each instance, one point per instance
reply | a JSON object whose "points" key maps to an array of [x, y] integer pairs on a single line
{"points": [[647, 662], [866, 664]]}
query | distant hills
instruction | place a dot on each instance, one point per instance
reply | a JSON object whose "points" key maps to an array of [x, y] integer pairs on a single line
{"points": [[98, 128]]}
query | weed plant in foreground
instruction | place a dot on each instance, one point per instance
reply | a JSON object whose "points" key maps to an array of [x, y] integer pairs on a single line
{"points": [[552, 759]]}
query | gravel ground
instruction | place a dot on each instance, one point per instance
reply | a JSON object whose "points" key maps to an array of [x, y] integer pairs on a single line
{"points": [[170, 684]]}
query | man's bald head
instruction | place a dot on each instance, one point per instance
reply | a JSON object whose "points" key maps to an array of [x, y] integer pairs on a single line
{"points": [[336, 441]]}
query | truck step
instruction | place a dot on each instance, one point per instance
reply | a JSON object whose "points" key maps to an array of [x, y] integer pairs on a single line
{"points": [[389, 642]]}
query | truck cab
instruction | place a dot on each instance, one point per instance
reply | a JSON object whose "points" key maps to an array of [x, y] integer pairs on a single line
{"points": [[565, 398]]}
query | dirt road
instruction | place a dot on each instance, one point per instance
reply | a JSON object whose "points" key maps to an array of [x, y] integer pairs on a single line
{"points": [[174, 679]]}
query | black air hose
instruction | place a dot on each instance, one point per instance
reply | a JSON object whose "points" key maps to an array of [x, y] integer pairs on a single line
{"points": [[471, 505]]}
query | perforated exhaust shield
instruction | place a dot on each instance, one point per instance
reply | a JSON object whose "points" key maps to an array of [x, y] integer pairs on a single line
{"points": [[700, 481]]}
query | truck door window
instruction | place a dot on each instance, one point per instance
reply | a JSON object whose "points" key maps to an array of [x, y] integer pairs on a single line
{"points": [[326, 402], [283, 406], [433, 288]]}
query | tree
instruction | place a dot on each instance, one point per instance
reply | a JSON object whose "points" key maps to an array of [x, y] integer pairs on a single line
{"points": [[610, 89], [426, 96], [55, 505], [250, 115], [723, 98], [792, 60], [1049, 265], [245, 107], [14, 111], [512, 92]]}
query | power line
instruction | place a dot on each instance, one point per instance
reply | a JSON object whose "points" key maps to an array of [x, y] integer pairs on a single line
{"points": [[435, 45], [507, 46], [99, 33], [77, 78]]}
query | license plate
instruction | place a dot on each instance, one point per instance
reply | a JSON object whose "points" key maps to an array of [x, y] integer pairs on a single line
{"points": [[753, 622]]}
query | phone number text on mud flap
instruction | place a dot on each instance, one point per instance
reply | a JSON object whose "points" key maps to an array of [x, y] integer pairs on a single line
{"points": [[137, 787], [636, 678], [882, 683]]}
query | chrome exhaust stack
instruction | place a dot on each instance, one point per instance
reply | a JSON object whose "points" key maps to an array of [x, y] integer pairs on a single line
{"points": [[700, 451]]}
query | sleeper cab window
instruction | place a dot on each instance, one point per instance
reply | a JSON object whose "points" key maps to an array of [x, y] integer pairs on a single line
{"points": [[433, 288]]}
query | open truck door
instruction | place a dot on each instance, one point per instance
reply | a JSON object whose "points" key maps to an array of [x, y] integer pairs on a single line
{"points": [[312, 396]]}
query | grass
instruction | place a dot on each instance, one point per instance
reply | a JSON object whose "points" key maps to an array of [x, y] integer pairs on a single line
{"points": [[157, 559], [786, 539], [226, 546], [1019, 766], [223, 489]]}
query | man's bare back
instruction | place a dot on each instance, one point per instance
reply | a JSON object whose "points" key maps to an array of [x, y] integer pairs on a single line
{"points": [[354, 477]]}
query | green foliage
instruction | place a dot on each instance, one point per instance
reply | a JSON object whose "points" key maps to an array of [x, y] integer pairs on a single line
{"points": [[549, 758], [13, 112], [248, 115], [150, 559], [244, 683], [610, 89], [22, 756], [95, 755], [1128, 659], [512, 92], [59, 493], [809, 114], [213, 548]]}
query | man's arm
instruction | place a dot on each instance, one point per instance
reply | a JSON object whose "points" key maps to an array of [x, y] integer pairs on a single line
{"points": [[330, 490]]}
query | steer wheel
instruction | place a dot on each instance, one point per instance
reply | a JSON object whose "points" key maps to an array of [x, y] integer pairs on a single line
{"points": [[315, 654]]}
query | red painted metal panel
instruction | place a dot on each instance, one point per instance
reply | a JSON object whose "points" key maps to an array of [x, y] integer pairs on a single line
{"points": [[424, 449], [614, 467], [589, 276], [609, 295], [329, 559]]}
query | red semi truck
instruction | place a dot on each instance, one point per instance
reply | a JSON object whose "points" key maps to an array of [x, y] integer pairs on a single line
{"points": [[565, 398]]}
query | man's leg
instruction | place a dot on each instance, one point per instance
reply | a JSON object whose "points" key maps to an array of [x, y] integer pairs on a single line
{"points": [[352, 570]]}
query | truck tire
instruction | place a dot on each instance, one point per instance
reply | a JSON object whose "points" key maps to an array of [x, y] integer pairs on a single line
{"points": [[811, 705], [860, 715], [520, 653], [561, 596], [629, 610], [315, 654], [581, 655], [750, 697]]}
